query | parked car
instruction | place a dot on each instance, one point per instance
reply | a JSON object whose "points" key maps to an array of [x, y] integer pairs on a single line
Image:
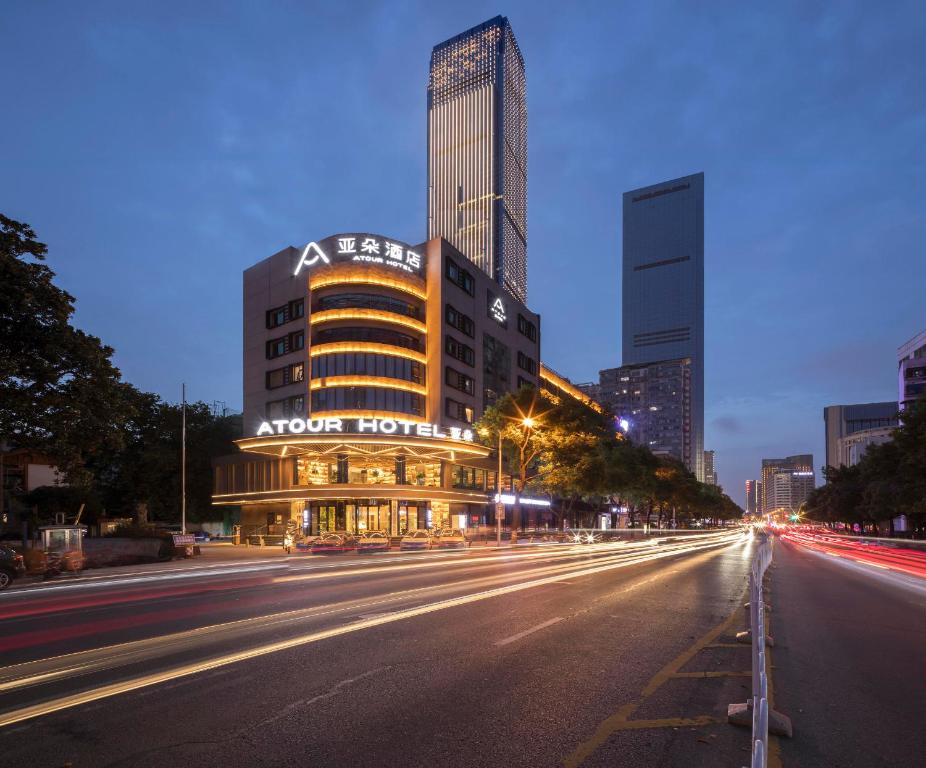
{"points": [[201, 536], [419, 539], [372, 541], [333, 542], [12, 565], [449, 537]]}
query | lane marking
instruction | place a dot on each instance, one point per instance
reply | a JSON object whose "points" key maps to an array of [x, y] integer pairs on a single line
{"points": [[171, 674], [713, 673], [526, 632], [620, 720]]}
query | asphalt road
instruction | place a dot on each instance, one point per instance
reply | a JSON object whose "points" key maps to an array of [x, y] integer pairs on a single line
{"points": [[850, 645], [559, 655]]}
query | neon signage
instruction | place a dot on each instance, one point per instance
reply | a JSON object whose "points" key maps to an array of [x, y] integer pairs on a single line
{"points": [[328, 426], [362, 248], [497, 310]]}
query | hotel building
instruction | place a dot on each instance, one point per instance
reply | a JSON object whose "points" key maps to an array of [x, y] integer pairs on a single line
{"points": [[477, 151], [366, 362]]}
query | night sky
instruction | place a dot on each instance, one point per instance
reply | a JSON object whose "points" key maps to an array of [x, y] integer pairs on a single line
{"points": [[160, 150]]}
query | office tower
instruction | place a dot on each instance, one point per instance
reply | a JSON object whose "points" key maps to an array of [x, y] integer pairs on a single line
{"points": [[477, 151], [663, 288], [655, 402], [710, 471], [753, 497], [851, 429], [911, 370], [787, 482]]}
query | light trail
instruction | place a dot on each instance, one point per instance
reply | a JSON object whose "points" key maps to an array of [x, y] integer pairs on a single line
{"points": [[113, 689], [907, 562]]}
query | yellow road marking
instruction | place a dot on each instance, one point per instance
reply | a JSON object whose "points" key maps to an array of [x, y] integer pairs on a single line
{"points": [[620, 720], [669, 722], [715, 673]]}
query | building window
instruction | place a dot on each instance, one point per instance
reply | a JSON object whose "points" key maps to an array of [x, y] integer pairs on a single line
{"points": [[367, 399], [527, 328], [285, 344], [459, 411], [496, 365], [369, 301], [467, 478], [286, 408], [367, 364], [522, 382], [281, 315], [460, 277], [463, 323], [288, 374], [460, 381], [526, 363], [375, 335], [460, 351]]}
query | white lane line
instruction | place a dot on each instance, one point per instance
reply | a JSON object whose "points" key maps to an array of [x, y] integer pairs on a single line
{"points": [[526, 632]]}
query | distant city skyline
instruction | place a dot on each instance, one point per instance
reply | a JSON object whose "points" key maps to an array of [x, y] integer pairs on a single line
{"points": [[157, 167]]}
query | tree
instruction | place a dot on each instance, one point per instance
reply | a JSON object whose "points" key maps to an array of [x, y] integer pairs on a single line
{"points": [[59, 391]]}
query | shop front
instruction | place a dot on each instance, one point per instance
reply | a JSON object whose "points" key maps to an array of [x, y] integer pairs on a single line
{"points": [[350, 481]]}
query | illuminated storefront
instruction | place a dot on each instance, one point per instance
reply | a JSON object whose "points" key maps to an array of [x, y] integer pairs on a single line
{"points": [[366, 363]]}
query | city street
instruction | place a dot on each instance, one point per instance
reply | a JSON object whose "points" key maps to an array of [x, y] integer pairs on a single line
{"points": [[575, 655]]}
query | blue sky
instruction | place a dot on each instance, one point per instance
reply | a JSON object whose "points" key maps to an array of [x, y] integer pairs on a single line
{"points": [[159, 149]]}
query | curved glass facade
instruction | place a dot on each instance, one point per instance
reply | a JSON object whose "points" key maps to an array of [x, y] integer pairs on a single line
{"points": [[369, 301], [375, 335], [367, 364], [367, 399]]}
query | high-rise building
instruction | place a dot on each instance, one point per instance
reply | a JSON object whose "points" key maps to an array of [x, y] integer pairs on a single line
{"points": [[753, 496], [851, 429], [911, 370], [653, 404], [787, 482], [710, 471], [477, 151], [663, 288]]}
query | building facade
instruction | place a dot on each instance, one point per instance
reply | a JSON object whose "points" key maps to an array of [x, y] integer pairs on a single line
{"points": [[786, 483], [753, 496], [477, 151], [911, 371], [663, 289], [851, 429], [710, 470], [366, 362], [653, 404]]}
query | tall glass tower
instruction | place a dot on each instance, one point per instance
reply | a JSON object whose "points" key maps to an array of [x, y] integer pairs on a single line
{"points": [[663, 287], [477, 151]]}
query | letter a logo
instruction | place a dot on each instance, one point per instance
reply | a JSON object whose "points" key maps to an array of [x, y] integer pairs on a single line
{"points": [[310, 257]]}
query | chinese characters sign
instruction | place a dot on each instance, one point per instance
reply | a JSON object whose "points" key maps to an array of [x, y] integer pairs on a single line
{"points": [[363, 248]]}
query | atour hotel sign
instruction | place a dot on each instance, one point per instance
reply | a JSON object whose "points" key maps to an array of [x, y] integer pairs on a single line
{"points": [[328, 426], [362, 248]]}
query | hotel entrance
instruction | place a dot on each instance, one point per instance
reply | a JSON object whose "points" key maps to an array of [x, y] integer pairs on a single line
{"points": [[369, 515]]}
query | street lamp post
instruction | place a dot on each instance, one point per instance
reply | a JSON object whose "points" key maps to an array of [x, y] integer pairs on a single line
{"points": [[499, 504]]}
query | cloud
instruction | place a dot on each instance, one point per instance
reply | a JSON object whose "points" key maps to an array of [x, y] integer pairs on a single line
{"points": [[728, 424]]}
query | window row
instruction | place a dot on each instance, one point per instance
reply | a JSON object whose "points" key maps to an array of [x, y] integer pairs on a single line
{"points": [[281, 315], [291, 342], [288, 374], [460, 277], [463, 323], [527, 328], [364, 470], [460, 351], [367, 364], [369, 301], [526, 363], [285, 408], [459, 411], [367, 399], [460, 381], [375, 335]]}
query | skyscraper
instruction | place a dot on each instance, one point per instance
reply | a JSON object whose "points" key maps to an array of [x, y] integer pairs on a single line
{"points": [[710, 472], [663, 287], [753, 496], [477, 151]]}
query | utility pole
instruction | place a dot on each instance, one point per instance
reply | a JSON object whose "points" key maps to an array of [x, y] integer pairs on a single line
{"points": [[183, 461]]}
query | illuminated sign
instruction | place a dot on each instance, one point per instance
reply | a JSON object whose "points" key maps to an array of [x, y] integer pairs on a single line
{"points": [[362, 248], [328, 426], [497, 309], [507, 498]]}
